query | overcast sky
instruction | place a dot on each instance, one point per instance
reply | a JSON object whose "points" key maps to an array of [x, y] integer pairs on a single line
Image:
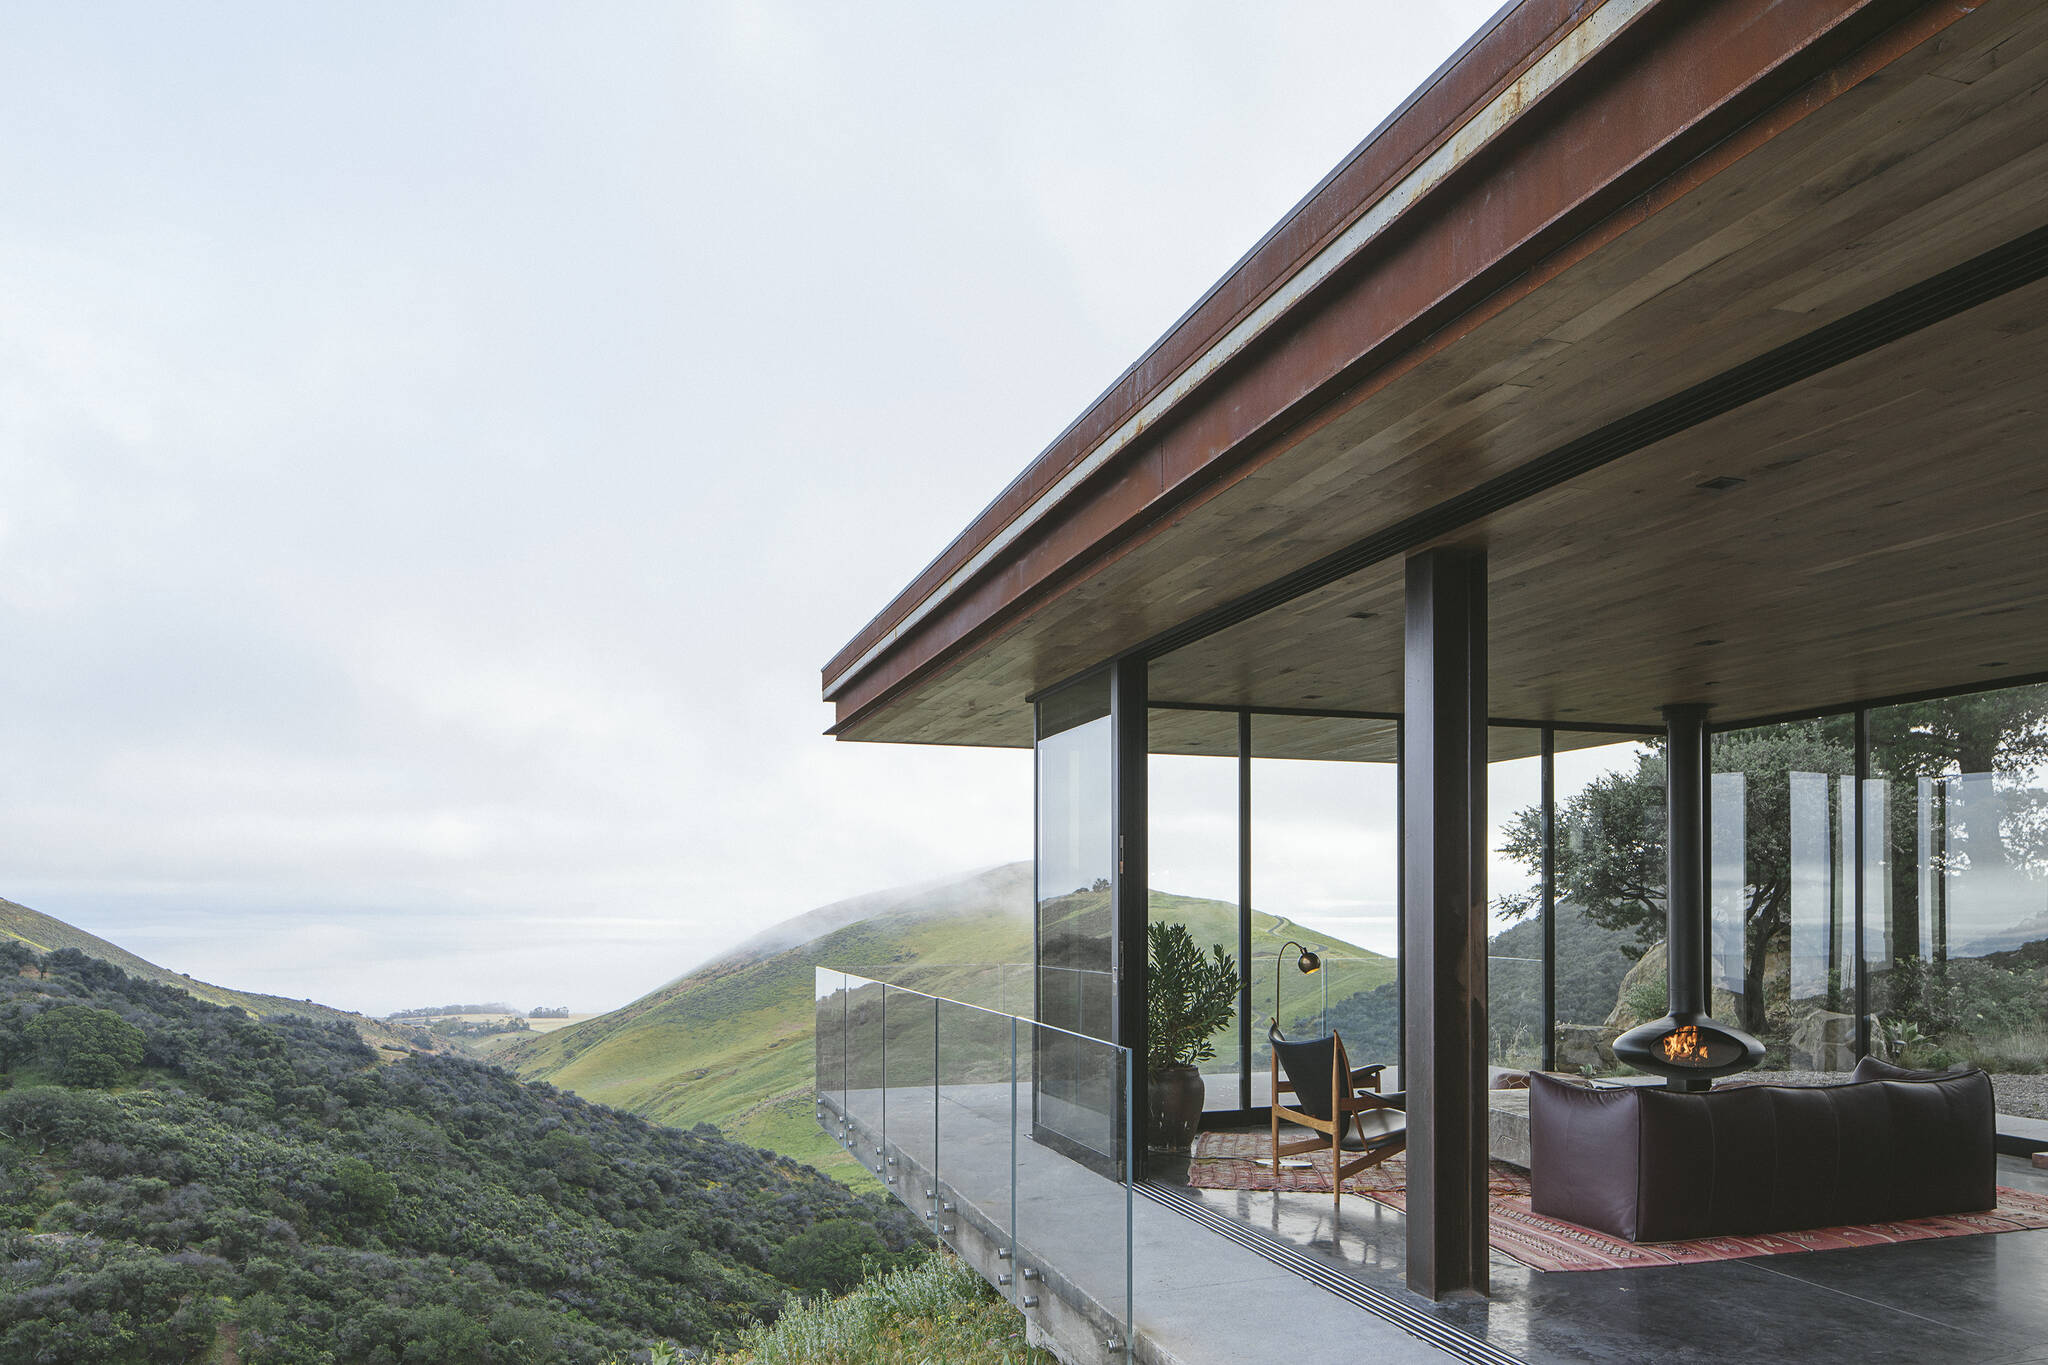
{"points": [[439, 444]]}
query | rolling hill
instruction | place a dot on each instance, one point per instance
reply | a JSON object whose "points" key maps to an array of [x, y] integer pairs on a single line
{"points": [[48, 934], [730, 1042]]}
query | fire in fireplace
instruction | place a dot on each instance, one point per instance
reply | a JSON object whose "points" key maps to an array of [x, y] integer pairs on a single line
{"points": [[1684, 1045]]}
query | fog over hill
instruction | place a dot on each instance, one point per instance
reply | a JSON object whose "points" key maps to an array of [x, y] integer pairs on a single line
{"points": [[730, 1042]]}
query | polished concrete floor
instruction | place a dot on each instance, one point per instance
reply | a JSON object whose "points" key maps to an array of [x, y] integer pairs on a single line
{"points": [[1963, 1300]]}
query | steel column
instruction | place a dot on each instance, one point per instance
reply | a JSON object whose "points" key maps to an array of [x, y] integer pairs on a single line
{"points": [[1244, 910], [1130, 892], [1444, 943], [1549, 800]]}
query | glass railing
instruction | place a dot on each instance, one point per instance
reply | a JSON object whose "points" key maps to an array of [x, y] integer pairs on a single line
{"points": [[1008, 1136]]}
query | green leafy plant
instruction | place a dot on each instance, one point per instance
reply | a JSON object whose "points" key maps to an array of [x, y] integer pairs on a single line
{"points": [[1191, 997]]}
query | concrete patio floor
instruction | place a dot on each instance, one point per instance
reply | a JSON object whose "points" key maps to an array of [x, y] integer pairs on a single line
{"points": [[1217, 1277], [1980, 1300]]}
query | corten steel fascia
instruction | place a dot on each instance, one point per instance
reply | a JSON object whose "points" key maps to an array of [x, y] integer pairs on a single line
{"points": [[1675, 97]]}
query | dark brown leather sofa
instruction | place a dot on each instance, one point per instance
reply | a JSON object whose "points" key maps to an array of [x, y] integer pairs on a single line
{"points": [[1654, 1165]]}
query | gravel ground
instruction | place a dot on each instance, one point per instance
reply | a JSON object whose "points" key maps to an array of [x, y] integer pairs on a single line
{"points": [[2026, 1096]]}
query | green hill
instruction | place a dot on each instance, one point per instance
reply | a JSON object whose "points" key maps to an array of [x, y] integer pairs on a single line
{"points": [[730, 1043], [47, 934]]}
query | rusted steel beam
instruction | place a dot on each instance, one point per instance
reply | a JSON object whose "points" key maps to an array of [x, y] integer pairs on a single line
{"points": [[1684, 91]]}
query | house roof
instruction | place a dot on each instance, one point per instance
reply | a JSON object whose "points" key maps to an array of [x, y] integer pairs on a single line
{"points": [[1591, 211]]}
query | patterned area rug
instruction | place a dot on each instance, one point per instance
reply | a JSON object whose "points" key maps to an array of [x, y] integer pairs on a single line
{"points": [[1237, 1161]]}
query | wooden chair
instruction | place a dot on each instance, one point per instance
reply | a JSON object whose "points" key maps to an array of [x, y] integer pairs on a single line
{"points": [[1332, 1097]]}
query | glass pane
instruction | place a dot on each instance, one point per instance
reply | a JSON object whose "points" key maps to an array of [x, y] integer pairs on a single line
{"points": [[1610, 893], [1784, 896], [1073, 1199], [1956, 930], [1325, 874], [909, 1062], [866, 1053], [1514, 946], [830, 1035], [978, 1104], [1194, 867], [1076, 859]]}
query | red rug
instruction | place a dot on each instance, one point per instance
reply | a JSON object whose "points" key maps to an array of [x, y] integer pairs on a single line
{"points": [[1237, 1161]]}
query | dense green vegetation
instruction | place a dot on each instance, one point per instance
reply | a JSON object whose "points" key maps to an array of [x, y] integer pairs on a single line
{"points": [[179, 1181]]}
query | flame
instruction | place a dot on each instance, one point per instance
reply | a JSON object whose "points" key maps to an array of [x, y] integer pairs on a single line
{"points": [[1685, 1045]]}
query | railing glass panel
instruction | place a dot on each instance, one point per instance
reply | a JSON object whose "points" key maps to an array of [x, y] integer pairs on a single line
{"points": [[867, 1041], [908, 1100], [1010, 1136]]}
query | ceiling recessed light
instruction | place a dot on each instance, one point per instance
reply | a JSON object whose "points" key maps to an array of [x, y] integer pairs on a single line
{"points": [[1720, 482], [1703, 643], [1361, 616], [1995, 663]]}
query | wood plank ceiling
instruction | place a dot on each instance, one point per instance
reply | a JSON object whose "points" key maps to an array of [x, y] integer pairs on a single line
{"points": [[1887, 535]]}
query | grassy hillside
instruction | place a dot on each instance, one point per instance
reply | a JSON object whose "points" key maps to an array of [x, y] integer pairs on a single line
{"points": [[730, 1043], [47, 934]]}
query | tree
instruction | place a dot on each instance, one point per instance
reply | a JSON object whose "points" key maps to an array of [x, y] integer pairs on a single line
{"points": [[86, 1046], [16, 957], [1610, 844]]}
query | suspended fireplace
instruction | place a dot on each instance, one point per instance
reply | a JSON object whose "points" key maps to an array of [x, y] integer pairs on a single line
{"points": [[1687, 1046]]}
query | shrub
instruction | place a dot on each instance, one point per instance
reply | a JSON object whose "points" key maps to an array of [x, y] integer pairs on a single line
{"points": [[828, 1256], [363, 1190]]}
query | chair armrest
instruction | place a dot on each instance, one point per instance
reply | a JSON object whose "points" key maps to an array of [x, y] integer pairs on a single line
{"points": [[1362, 1074]]}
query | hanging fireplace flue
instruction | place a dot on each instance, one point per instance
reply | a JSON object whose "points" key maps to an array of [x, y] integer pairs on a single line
{"points": [[1687, 1046]]}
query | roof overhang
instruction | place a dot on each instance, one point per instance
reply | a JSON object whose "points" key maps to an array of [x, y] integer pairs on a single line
{"points": [[1590, 214]]}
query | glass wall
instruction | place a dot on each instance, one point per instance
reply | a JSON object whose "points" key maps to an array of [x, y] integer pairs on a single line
{"points": [[1956, 882], [1076, 859], [1514, 944], [1610, 892], [1193, 849], [1326, 875], [1076, 915], [1783, 845]]}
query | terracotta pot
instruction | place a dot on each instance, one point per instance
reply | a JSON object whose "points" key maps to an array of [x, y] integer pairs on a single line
{"points": [[1177, 1094]]}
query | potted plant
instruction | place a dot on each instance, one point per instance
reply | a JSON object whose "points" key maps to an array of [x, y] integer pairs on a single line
{"points": [[1192, 996]]}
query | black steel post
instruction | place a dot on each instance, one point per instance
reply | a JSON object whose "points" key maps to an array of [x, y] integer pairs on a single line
{"points": [[1549, 798], [1130, 888], [1685, 845], [1444, 938], [1244, 910]]}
